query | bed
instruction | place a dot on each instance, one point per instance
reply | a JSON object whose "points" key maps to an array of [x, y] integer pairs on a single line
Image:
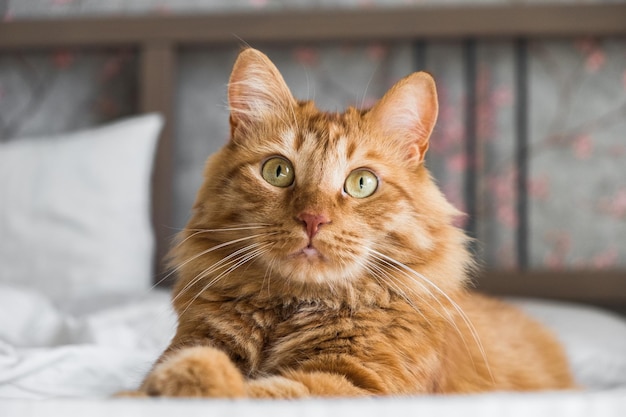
{"points": [[74, 341]]}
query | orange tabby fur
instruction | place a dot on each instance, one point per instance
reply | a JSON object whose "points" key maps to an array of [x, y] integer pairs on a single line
{"points": [[378, 307]]}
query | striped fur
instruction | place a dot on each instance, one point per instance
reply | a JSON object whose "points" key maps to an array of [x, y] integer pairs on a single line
{"points": [[377, 304]]}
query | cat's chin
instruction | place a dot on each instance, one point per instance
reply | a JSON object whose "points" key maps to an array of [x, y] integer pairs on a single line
{"points": [[311, 266], [306, 264]]}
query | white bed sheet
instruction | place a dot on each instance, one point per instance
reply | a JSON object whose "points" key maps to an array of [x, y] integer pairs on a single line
{"points": [[77, 354], [87, 348], [588, 404]]}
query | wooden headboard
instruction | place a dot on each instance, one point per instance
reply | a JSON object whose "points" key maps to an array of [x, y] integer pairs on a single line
{"points": [[158, 39]]}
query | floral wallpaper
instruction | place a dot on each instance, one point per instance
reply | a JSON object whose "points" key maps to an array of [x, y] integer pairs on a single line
{"points": [[578, 149], [577, 117], [46, 93]]}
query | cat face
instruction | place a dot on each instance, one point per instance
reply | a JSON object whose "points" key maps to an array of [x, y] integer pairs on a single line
{"points": [[316, 198]]}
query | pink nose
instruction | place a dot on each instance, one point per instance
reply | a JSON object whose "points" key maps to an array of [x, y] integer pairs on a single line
{"points": [[312, 222]]}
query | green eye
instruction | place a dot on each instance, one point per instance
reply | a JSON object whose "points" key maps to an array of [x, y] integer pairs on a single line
{"points": [[361, 183], [278, 172]]}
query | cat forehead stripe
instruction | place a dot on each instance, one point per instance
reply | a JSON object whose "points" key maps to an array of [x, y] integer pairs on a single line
{"points": [[288, 138]]}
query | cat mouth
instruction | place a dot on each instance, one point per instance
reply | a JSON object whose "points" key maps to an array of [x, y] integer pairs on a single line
{"points": [[309, 252]]}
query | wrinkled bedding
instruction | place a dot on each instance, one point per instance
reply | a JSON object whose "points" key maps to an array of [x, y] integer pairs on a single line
{"points": [[89, 348], [78, 353]]}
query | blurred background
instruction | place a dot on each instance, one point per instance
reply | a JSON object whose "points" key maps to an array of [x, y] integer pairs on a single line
{"points": [[576, 119]]}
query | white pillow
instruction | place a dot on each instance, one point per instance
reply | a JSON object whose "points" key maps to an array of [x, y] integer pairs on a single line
{"points": [[594, 340], [75, 210]]}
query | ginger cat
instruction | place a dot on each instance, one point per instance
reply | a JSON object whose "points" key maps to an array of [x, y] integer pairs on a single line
{"points": [[321, 260]]}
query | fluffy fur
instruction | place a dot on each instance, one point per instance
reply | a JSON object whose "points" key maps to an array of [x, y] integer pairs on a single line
{"points": [[304, 290]]}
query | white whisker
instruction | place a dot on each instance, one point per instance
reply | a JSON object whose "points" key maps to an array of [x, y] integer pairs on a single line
{"points": [[390, 279], [369, 81], [267, 277], [209, 250], [245, 258], [225, 229], [222, 263], [411, 273]]}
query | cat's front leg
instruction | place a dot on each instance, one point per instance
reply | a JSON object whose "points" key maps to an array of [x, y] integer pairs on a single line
{"points": [[203, 371], [199, 371], [299, 384]]}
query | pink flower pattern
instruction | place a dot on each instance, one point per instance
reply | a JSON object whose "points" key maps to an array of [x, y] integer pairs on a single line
{"points": [[539, 187], [560, 243], [306, 56], [259, 3], [63, 59], [614, 206], [583, 146], [606, 259]]}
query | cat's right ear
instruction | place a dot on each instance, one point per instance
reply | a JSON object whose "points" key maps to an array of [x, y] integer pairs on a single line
{"points": [[256, 90]]}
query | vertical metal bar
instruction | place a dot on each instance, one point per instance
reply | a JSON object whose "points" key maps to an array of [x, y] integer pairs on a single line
{"points": [[469, 58], [521, 150], [156, 95]]}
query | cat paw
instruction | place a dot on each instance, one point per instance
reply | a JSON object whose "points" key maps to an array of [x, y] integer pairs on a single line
{"points": [[199, 371], [130, 394]]}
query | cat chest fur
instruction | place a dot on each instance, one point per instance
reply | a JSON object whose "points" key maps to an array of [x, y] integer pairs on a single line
{"points": [[363, 343]]}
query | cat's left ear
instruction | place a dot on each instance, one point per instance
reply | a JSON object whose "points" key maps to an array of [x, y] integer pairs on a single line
{"points": [[408, 113]]}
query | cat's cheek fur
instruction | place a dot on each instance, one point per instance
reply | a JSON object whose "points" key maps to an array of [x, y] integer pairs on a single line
{"points": [[414, 234]]}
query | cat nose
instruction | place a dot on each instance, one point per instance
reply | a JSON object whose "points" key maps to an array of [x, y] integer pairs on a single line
{"points": [[312, 222]]}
